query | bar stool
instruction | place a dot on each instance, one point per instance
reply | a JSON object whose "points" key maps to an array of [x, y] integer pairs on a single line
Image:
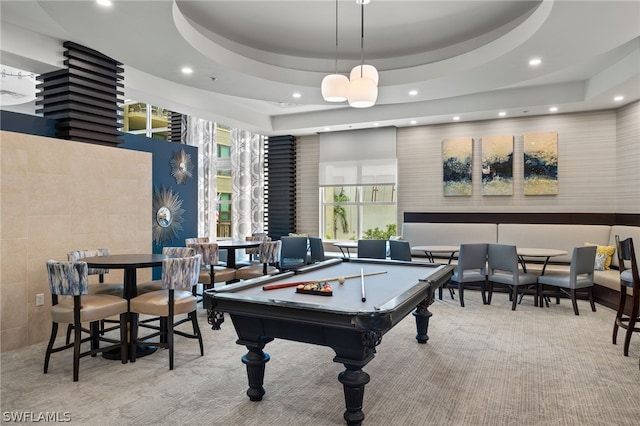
{"points": [[628, 279]]}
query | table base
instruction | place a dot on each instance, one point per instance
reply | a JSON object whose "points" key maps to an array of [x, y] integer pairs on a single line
{"points": [[141, 351]]}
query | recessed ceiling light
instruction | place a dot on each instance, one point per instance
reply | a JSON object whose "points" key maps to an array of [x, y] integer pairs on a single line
{"points": [[187, 70], [456, 118], [105, 3], [502, 113], [297, 95], [553, 109], [413, 122], [618, 98], [535, 62], [413, 92]]}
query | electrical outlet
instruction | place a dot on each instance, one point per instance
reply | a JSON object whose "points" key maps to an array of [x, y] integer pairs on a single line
{"points": [[39, 299]]}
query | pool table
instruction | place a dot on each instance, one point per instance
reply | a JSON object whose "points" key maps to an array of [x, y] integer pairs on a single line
{"points": [[342, 321]]}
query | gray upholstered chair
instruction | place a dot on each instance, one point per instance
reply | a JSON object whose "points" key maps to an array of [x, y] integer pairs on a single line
{"points": [[471, 268], [101, 287], [372, 249], [580, 277], [400, 250], [268, 255], [179, 275], [316, 249], [629, 278], [71, 279], [504, 269], [155, 285], [293, 253], [211, 273]]}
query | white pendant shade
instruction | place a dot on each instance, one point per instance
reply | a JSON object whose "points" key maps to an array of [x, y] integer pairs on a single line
{"points": [[368, 71], [362, 92], [334, 88]]}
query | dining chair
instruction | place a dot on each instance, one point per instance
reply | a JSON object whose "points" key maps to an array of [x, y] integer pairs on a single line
{"points": [[253, 252], [372, 249], [504, 269], [101, 287], [580, 277], [316, 248], [400, 250], [179, 275], [211, 273], [471, 268], [268, 255], [155, 285], [71, 279], [629, 278], [293, 253]]}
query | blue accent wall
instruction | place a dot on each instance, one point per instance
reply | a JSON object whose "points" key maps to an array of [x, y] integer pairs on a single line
{"points": [[29, 124], [163, 152]]}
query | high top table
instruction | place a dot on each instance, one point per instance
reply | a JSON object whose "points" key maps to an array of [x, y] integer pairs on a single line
{"points": [[130, 263], [231, 246]]}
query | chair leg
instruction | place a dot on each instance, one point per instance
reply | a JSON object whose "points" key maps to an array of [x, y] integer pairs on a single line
{"points": [[574, 302], [631, 327], [196, 330], [514, 298], [124, 353], [619, 313], [134, 337], [461, 294], [490, 295], [69, 331], [593, 305], [76, 350], [52, 339], [170, 340], [94, 331], [482, 290], [440, 292]]}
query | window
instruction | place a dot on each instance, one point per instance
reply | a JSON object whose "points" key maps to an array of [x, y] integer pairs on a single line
{"points": [[146, 120], [354, 212]]}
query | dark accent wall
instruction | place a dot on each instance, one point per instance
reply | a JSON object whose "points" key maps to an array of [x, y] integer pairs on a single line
{"points": [[280, 186], [84, 97], [29, 124], [543, 218], [163, 152]]}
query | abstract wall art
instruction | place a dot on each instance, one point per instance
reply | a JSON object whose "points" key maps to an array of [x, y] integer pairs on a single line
{"points": [[457, 154], [541, 163], [497, 165]]}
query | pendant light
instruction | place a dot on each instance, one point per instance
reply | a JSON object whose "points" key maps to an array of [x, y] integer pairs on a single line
{"points": [[334, 86], [363, 85]]}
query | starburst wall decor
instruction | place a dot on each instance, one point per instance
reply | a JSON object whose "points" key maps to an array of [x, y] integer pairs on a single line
{"points": [[181, 166], [167, 215]]}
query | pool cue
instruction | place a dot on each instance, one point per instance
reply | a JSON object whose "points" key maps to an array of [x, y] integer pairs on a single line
{"points": [[346, 277], [364, 298]]}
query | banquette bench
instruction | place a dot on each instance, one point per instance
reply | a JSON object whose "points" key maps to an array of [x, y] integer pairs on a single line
{"points": [[549, 236]]}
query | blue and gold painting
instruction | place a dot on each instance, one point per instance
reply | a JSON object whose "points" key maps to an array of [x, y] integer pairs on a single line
{"points": [[457, 157], [541, 163], [497, 165]]}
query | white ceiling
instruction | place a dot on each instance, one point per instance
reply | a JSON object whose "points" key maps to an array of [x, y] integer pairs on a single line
{"points": [[465, 58]]}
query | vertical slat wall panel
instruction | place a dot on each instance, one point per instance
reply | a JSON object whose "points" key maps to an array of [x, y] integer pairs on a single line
{"points": [[280, 186], [84, 97], [628, 159], [175, 127], [307, 196]]}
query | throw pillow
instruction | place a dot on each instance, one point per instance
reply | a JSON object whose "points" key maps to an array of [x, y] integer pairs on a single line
{"points": [[606, 250], [601, 258]]}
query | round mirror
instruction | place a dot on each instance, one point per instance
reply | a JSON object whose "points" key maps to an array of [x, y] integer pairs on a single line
{"points": [[163, 217]]}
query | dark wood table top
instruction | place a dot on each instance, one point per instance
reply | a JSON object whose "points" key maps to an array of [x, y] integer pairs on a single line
{"points": [[126, 261]]}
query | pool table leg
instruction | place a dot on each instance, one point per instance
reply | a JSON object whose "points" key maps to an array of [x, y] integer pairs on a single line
{"points": [[422, 315], [353, 380], [255, 361]]}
